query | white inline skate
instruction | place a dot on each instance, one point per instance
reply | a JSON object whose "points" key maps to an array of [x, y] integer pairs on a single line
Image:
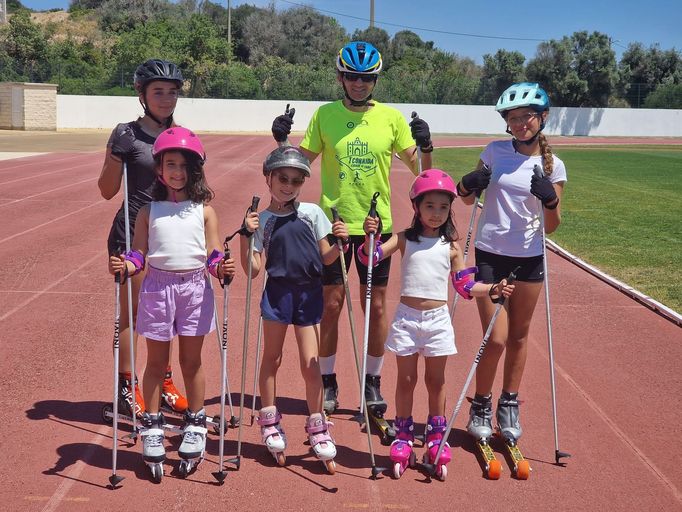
{"points": [[193, 445], [153, 450], [272, 433], [321, 441]]}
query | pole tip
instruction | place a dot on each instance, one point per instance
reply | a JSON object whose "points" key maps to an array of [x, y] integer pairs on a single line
{"points": [[114, 480]]}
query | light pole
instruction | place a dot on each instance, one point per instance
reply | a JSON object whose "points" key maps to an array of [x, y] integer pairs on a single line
{"points": [[3, 11]]}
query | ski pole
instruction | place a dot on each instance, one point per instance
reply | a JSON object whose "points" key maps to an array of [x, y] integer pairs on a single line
{"points": [[126, 210], [419, 150], [368, 300], [114, 479], [233, 419], [245, 346], [221, 474], [432, 467], [558, 454], [258, 346], [466, 247], [287, 112], [364, 412]]}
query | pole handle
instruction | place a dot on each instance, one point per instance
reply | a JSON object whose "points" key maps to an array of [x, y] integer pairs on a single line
{"points": [[373, 205], [510, 280], [254, 204], [290, 112], [335, 214]]}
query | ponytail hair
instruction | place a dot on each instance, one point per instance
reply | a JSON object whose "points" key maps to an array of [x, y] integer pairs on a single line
{"points": [[546, 153]]}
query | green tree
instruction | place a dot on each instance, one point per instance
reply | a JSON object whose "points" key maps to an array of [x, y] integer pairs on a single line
{"points": [[499, 71], [119, 16], [27, 46], [665, 96], [263, 21], [234, 80], [642, 70], [576, 71], [310, 38]]}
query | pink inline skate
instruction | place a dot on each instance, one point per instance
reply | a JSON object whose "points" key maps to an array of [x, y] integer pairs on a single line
{"points": [[402, 455], [435, 428]]}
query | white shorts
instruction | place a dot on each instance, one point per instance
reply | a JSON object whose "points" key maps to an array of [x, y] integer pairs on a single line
{"points": [[428, 333]]}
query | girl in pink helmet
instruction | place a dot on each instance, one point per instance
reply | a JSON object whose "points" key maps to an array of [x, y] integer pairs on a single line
{"points": [[176, 238], [430, 258], [157, 83]]}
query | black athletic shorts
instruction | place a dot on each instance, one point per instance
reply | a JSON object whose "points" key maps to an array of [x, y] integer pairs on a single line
{"points": [[331, 274], [492, 268]]}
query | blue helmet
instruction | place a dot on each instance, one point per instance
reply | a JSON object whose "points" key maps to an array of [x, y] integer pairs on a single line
{"points": [[359, 57], [524, 94]]}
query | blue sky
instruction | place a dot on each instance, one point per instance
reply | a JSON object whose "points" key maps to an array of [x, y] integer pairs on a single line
{"points": [[441, 21]]}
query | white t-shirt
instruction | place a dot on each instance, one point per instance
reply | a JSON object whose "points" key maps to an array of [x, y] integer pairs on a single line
{"points": [[510, 222]]}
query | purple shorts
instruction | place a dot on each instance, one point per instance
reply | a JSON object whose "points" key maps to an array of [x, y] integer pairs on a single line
{"points": [[175, 303]]}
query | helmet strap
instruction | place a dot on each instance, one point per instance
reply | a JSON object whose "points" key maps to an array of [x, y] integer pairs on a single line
{"points": [[355, 103], [167, 123]]}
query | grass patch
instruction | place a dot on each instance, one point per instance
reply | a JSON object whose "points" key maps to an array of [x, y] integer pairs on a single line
{"points": [[621, 211]]}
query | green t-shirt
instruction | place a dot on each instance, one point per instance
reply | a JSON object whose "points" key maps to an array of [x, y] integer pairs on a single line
{"points": [[357, 148]]}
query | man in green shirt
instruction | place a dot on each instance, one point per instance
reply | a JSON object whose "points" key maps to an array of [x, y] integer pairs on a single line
{"points": [[357, 138]]}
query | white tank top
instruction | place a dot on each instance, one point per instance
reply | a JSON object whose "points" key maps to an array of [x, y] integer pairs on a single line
{"points": [[176, 235], [425, 269]]}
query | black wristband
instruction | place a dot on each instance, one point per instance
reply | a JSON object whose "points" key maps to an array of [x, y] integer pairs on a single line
{"points": [[427, 149], [245, 232], [553, 206], [462, 194], [497, 298]]}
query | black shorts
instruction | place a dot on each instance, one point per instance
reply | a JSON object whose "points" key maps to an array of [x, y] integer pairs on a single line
{"points": [[492, 268], [331, 274]]}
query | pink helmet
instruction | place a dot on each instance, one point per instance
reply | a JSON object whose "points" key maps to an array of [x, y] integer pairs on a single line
{"points": [[432, 180], [178, 138]]}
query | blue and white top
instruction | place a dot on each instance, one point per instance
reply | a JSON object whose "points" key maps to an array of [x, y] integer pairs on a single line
{"points": [[290, 242]]}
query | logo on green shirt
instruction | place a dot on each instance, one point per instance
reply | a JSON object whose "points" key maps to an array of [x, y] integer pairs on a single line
{"points": [[358, 164]]}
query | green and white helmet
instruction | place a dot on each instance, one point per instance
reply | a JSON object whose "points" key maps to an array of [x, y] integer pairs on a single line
{"points": [[524, 94], [286, 156]]}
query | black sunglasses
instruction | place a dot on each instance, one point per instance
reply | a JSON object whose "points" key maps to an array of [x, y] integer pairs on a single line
{"points": [[353, 77]]}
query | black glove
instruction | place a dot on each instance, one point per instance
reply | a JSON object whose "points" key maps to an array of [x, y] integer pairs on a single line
{"points": [[421, 134], [281, 126], [543, 189], [477, 180], [122, 145]]}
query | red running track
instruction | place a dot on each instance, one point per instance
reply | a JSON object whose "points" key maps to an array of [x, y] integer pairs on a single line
{"points": [[618, 379]]}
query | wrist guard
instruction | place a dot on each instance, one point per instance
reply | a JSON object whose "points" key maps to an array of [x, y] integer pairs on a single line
{"points": [[137, 259], [213, 261], [364, 258]]}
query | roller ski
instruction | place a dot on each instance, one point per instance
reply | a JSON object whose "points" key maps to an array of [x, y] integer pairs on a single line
{"points": [[402, 455], [480, 428], [376, 407], [321, 441], [153, 450], [125, 401], [272, 433], [509, 429], [330, 394], [193, 445], [435, 428]]}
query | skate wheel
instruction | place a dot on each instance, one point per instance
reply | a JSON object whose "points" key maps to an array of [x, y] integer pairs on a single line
{"points": [[397, 470], [442, 472], [184, 468], [412, 462], [108, 414], [331, 466], [494, 469], [281, 458], [157, 472], [522, 470]]}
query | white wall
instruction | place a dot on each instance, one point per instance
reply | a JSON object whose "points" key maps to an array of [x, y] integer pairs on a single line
{"points": [[256, 116]]}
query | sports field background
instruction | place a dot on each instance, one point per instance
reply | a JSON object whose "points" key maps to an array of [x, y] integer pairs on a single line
{"points": [[621, 211]]}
